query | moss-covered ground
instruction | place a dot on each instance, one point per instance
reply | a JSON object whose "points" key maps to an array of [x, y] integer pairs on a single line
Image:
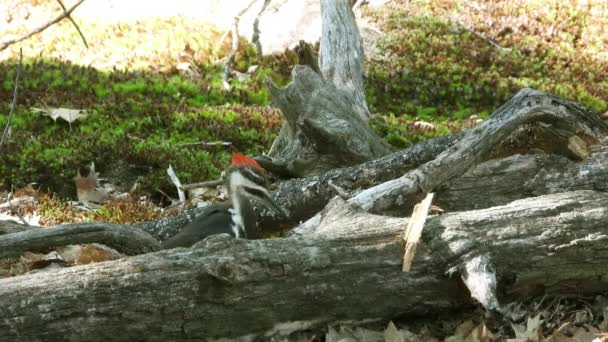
{"points": [[439, 61]]}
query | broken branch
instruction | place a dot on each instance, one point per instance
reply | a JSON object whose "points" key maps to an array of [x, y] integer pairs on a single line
{"points": [[65, 14], [15, 92]]}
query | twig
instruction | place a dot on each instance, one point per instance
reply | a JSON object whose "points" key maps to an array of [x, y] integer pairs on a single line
{"points": [[15, 92], [206, 143], [132, 137], [481, 36], [207, 184], [255, 39], [15, 210], [9, 42], [73, 22], [165, 194], [227, 67], [19, 200], [414, 230], [230, 60]]}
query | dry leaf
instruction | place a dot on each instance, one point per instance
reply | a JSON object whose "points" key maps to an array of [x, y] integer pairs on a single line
{"points": [[532, 332], [347, 334], [424, 126], [35, 261], [467, 331], [67, 114], [87, 188], [585, 333], [96, 253], [392, 334]]}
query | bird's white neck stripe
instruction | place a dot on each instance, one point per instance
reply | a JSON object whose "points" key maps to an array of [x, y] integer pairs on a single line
{"points": [[237, 183], [237, 225]]}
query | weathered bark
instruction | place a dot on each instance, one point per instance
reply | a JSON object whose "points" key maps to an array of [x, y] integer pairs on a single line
{"points": [[233, 287], [125, 239], [565, 120], [326, 114], [500, 181], [9, 227], [493, 182], [304, 197]]}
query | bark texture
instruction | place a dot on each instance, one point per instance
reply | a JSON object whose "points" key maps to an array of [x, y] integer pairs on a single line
{"points": [[566, 121], [349, 271], [326, 113], [125, 239], [500, 181]]}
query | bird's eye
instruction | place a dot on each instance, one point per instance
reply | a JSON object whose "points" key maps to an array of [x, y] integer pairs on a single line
{"points": [[254, 176]]}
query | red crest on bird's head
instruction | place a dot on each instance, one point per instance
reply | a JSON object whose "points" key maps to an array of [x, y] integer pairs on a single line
{"points": [[241, 160]]}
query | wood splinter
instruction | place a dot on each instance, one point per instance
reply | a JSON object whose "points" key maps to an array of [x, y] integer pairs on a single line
{"points": [[413, 231]]}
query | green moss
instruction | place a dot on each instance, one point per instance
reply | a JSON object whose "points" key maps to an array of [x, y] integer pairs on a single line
{"points": [[143, 119], [424, 60], [426, 70]]}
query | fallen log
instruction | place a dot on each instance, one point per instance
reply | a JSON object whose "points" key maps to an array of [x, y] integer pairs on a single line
{"points": [[500, 181], [565, 121], [490, 183], [350, 269], [123, 238]]}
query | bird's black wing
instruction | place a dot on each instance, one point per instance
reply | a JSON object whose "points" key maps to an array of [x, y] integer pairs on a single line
{"points": [[216, 220]]}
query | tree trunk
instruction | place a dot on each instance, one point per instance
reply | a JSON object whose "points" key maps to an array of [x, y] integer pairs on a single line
{"points": [[326, 114], [349, 271]]}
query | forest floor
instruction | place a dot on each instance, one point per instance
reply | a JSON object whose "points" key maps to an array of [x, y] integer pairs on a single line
{"points": [[152, 90]]}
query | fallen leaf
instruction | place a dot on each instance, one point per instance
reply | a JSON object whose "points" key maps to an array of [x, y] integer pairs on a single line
{"points": [[67, 114], [585, 333], [87, 188], [391, 334], [532, 332], [96, 253], [424, 126]]}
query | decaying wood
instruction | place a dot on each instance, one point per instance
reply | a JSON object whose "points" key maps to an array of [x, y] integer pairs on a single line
{"points": [[500, 181], [348, 266], [490, 183], [413, 231], [234, 287], [304, 197], [177, 183], [326, 114], [563, 118], [9, 227], [125, 239]]}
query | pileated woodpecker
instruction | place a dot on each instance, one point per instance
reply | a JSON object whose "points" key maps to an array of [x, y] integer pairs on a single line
{"points": [[245, 181]]}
